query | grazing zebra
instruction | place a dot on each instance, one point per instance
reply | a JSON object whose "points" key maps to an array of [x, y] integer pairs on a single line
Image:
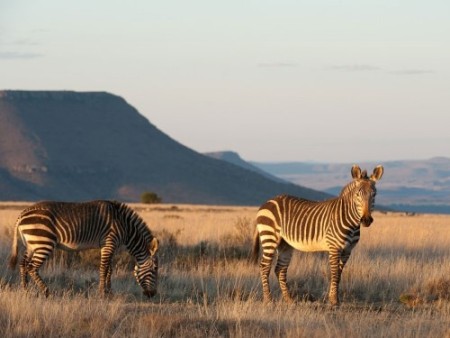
{"points": [[285, 223], [106, 225]]}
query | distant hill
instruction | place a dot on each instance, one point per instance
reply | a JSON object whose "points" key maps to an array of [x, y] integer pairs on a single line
{"points": [[66, 145], [416, 186], [234, 158]]}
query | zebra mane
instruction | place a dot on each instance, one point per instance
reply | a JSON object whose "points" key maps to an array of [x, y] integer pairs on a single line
{"points": [[350, 187], [364, 175], [133, 218], [356, 183]]}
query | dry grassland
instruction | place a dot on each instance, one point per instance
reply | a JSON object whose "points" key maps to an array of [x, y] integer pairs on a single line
{"points": [[396, 284]]}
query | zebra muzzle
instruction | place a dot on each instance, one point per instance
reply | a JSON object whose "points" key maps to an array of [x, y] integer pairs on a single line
{"points": [[366, 220]]}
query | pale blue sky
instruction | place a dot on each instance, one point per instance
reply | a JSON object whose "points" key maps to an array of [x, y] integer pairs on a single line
{"points": [[329, 81]]}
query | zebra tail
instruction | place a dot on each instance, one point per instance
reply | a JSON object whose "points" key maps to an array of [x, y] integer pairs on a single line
{"points": [[14, 250], [255, 251]]}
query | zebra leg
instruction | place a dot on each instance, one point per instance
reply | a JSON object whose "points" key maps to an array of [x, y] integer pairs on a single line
{"points": [[265, 266], [24, 271], [336, 270], [269, 240], [35, 262], [108, 280], [107, 253], [344, 258], [284, 258]]}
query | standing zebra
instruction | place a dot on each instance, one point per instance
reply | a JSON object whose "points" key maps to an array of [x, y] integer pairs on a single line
{"points": [[287, 222], [106, 225]]}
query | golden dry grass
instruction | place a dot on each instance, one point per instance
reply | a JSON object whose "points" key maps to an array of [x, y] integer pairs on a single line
{"points": [[396, 283]]}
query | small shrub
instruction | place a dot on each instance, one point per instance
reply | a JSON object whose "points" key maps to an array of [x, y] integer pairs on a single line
{"points": [[168, 239], [168, 242], [411, 299], [432, 291], [150, 198], [242, 234], [438, 289]]}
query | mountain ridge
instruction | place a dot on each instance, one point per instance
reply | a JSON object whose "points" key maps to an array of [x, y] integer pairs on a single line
{"points": [[68, 145]]}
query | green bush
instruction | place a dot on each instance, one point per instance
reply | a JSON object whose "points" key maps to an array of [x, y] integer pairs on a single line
{"points": [[150, 198]]}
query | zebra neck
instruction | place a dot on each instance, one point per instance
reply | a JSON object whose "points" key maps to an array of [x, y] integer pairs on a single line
{"points": [[346, 213], [140, 251]]}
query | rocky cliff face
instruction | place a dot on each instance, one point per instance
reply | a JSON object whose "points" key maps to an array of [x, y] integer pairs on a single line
{"points": [[67, 145]]}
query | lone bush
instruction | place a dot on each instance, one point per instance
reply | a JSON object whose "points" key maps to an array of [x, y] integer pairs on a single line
{"points": [[150, 198]]}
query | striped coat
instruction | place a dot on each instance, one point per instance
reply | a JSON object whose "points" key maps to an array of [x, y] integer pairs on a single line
{"points": [[107, 225], [285, 223]]}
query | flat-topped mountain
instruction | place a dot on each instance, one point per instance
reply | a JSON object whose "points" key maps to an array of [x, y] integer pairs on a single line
{"points": [[66, 145]]}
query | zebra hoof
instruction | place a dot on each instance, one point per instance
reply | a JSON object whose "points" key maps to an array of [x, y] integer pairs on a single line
{"points": [[105, 293], [149, 293], [108, 295], [334, 307]]}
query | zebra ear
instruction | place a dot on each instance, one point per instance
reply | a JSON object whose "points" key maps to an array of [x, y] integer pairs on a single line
{"points": [[377, 173], [356, 172], [154, 245]]}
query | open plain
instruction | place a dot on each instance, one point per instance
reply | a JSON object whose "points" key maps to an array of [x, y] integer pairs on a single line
{"points": [[396, 283]]}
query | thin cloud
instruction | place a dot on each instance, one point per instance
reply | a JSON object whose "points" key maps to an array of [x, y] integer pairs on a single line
{"points": [[16, 48], [412, 72], [19, 42], [354, 68], [18, 55], [277, 65], [24, 42]]}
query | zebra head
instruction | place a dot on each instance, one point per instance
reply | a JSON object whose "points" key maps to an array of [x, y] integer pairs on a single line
{"points": [[146, 272], [364, 191]]}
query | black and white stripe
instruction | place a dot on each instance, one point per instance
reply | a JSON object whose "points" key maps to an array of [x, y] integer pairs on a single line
{"points": [[107, 225], [286, 223]]}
